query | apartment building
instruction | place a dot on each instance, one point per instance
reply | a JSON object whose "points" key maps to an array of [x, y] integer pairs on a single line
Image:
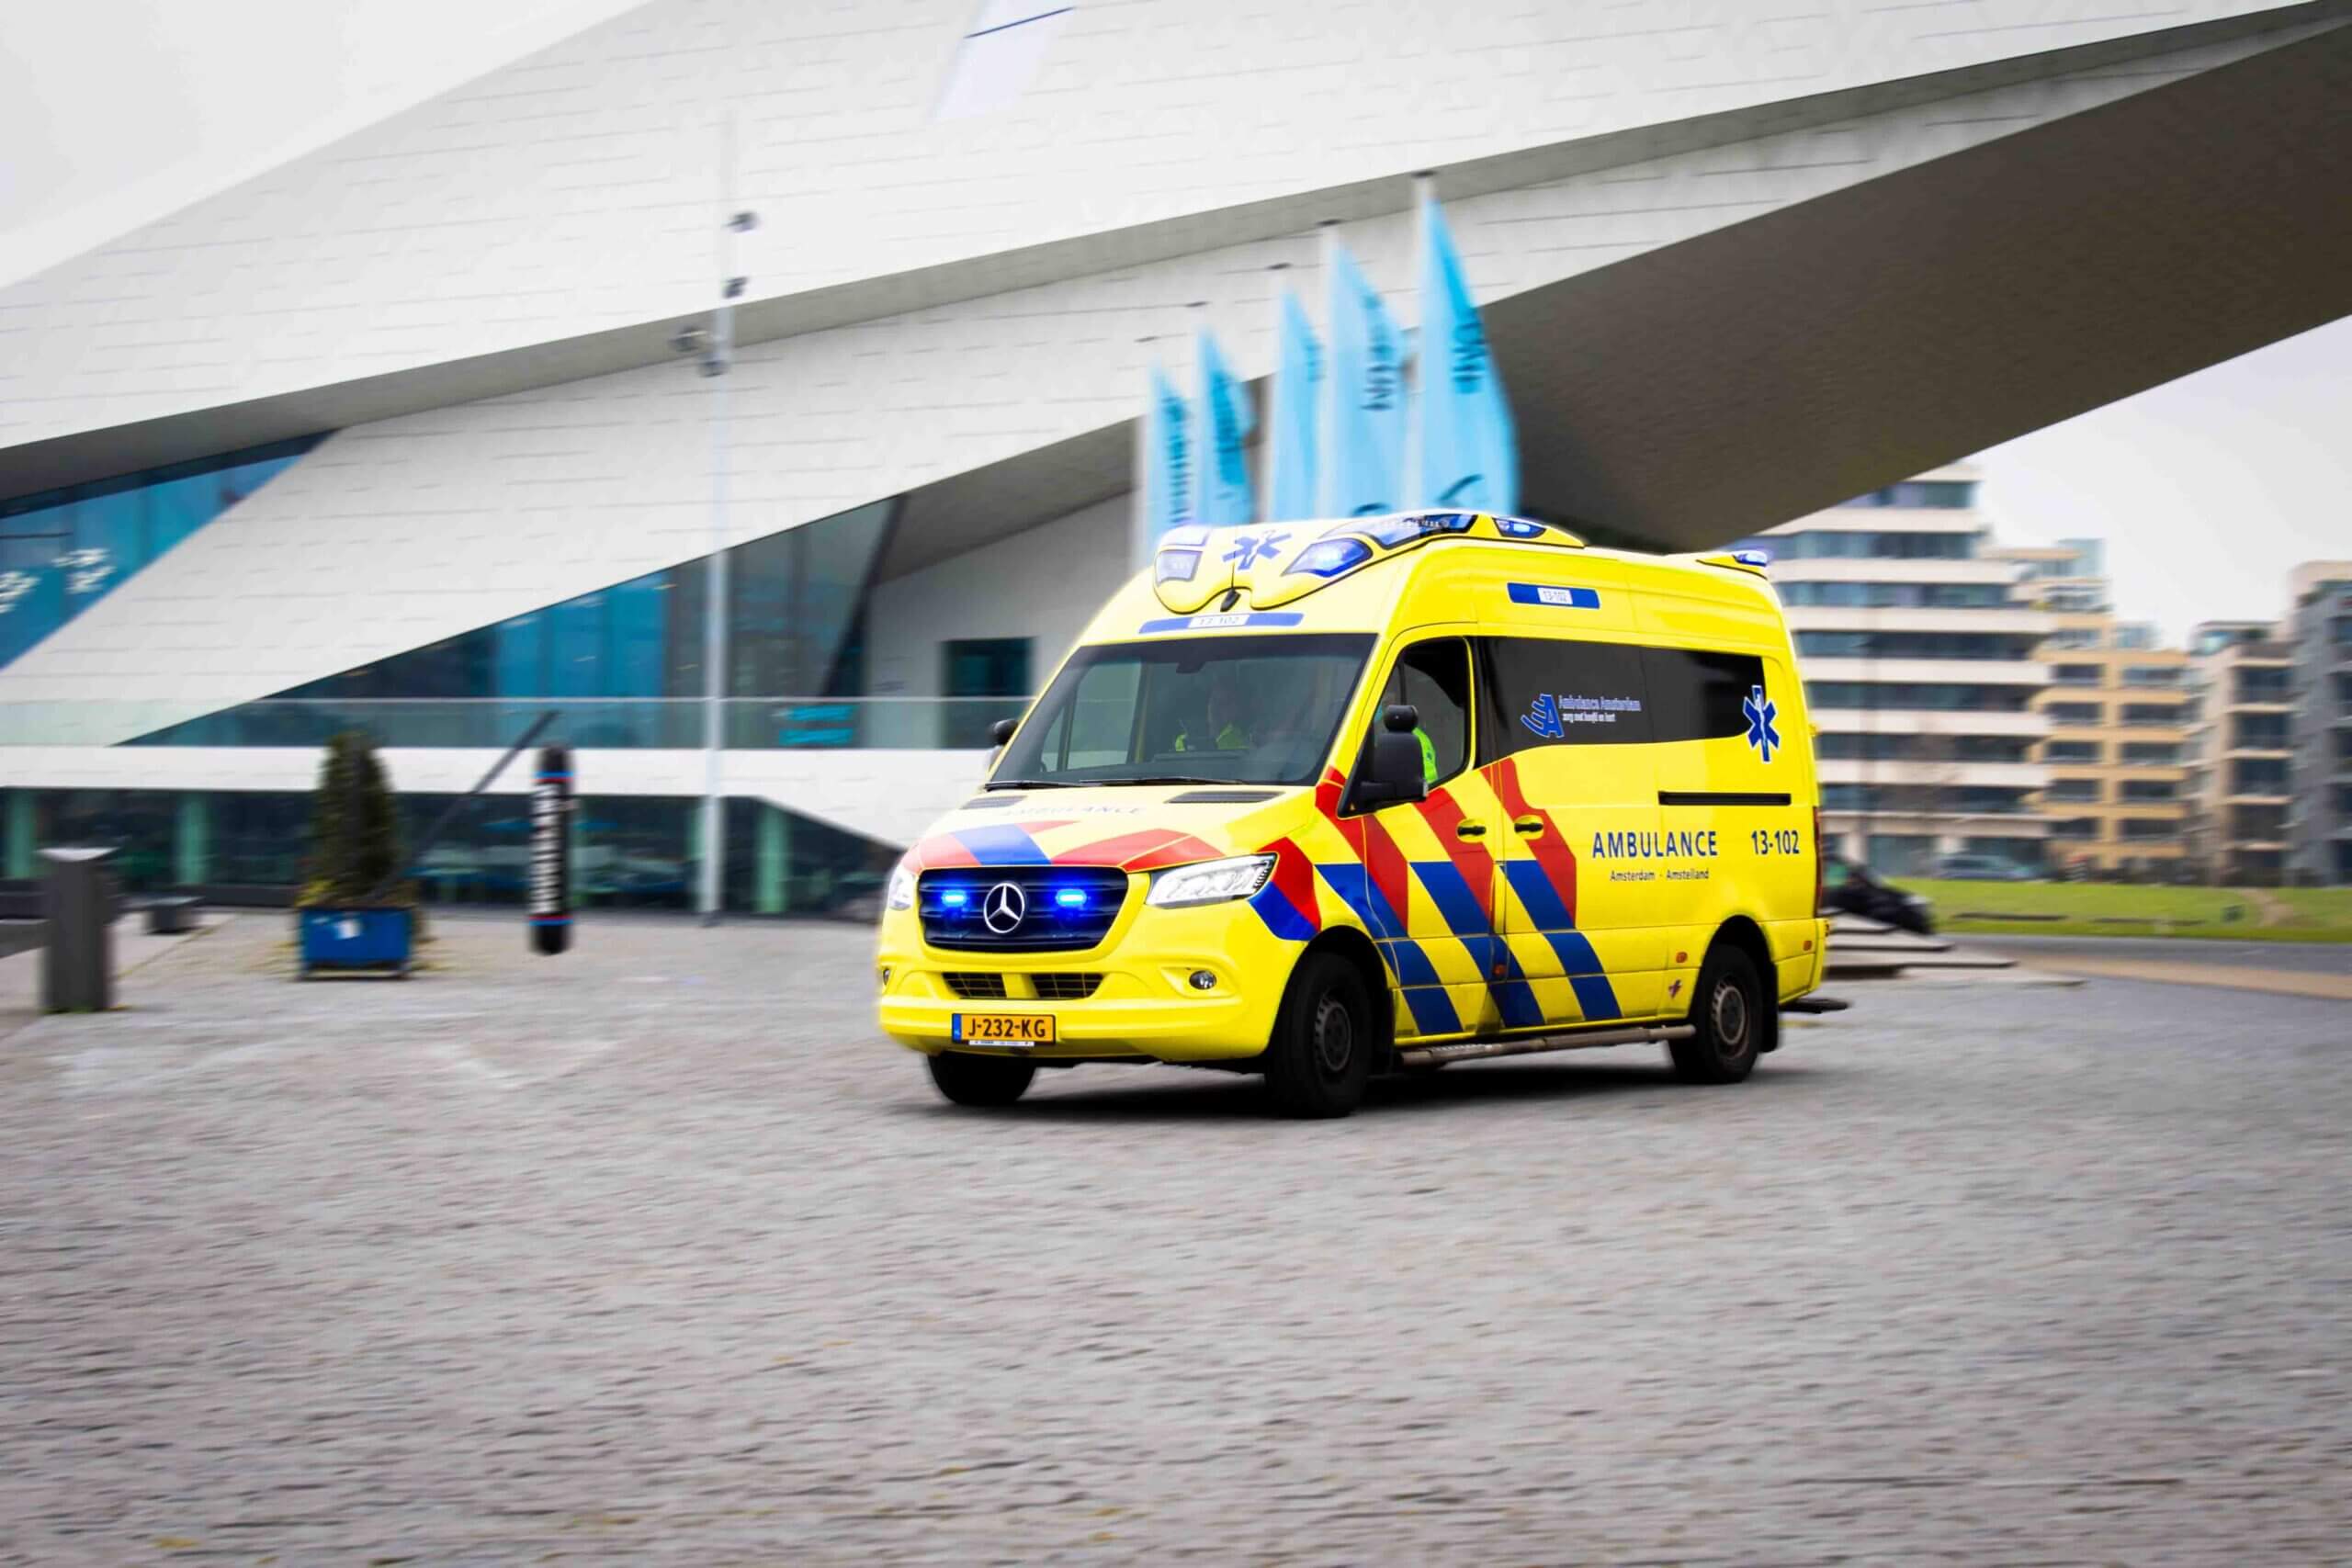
{"points": [[2241, 751], [2318, 628], [1922, 672], [2117, 705]]}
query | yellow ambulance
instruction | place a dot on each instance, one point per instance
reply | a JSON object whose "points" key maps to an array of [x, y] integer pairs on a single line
{"points": [[1325, 800]]}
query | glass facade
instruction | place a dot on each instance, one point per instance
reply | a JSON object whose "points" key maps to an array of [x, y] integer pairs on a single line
{"points": [[1902, 745], [1840, 543], [1913, 645], [628, 852], [1936, 495], [623, 666], [1900, 595], [63, 550], [1950, 696]]}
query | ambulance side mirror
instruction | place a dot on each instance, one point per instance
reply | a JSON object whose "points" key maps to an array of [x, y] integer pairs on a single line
{"points": [[1001, 732], [1391, 769]]}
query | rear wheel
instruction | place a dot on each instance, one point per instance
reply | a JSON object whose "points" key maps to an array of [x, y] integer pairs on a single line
{"points": [[1321, 1054], [980, 1080], [1729, 1012]]}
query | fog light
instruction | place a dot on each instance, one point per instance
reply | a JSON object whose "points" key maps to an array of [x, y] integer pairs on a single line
{"points": [[1202, 980]]}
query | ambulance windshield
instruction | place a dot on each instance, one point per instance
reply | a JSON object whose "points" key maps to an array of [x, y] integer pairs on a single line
{"points": [[1247, 709]]}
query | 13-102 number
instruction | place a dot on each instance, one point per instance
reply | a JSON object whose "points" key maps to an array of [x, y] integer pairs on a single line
{"points": [[1786, 841]]}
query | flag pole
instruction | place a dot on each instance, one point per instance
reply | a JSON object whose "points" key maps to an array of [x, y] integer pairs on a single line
{"points": [[1139, 518], [1424, 202], [1274, 446], [1326, 409]]}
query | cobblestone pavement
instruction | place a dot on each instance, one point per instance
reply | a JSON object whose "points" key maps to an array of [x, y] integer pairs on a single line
{"points": [[657, 1253]]}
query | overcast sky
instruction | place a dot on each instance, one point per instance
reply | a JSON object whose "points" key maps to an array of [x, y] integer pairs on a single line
{"points": [[113, 112]]}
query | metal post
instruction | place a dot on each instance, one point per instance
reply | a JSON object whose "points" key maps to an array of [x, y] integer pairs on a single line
{"points": [[1870, 743], [77, 963], [714, 643]]}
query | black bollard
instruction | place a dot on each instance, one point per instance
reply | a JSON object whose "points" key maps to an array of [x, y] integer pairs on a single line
{"points": [[551, 852]]}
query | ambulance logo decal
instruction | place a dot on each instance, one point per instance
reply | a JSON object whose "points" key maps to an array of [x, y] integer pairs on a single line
{"points": [[1542, 716], [1761, 713]]}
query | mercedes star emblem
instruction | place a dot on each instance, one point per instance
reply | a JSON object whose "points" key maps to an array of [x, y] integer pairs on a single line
{"points": [[1003, 908]]}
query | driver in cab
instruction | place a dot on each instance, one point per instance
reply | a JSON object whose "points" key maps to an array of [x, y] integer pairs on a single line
{"points": [[1232, 726]]}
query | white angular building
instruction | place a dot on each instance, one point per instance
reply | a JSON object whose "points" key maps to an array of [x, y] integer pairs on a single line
{"points": [[398, 433]]}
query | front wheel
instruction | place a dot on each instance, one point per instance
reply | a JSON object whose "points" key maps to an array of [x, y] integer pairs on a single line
{"points": [[1321, 1054], [1728, 1012], [980, 1080]]}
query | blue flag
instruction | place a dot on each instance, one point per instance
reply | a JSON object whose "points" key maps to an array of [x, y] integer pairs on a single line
{"points": [[1225, 422], [1463, 451], [1363, 425], [1298, 409], [1164, 495]]}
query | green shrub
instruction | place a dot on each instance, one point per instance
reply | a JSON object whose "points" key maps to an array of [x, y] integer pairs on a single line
{"points": [[354, 828]]}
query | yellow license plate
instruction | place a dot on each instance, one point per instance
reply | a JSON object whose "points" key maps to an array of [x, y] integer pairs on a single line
{"points": [[1003, 1029]]}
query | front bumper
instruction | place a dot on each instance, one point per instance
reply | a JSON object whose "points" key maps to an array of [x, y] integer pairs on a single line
{"points": [[1143, 1008]]}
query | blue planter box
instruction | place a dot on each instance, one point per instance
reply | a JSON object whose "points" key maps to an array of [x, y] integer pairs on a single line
{"points": [[367, 939]]}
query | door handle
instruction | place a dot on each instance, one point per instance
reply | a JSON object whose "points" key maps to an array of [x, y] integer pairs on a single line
{"points": [[1527, 826], [1469, 830]]}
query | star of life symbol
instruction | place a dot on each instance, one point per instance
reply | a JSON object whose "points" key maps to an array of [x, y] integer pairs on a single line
{"points": [[1003, 908], [1248, 549], [1760, 712]]}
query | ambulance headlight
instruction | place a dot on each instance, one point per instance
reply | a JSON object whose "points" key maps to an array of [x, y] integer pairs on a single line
{"points": [[1210, 882], [902, 887]]}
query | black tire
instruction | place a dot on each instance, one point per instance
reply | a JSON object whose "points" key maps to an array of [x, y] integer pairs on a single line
{"points": [[1733, 1018], [1320, 1057], [970, 1079]]}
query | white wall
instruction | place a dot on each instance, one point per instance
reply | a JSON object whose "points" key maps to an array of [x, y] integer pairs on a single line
{"points": [[1043, 584], [575, 190], [399, 532]]}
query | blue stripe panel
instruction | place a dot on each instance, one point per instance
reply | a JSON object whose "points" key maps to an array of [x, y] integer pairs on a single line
{"points": [[1354, 883], [1222, 622], [1595, 996], [1556, 597], [1433, 1009], [1540, 900], [1412, 965], [1282, 916], [1451, 895], [1425, 994], [1513, 994], [1001, 845]]}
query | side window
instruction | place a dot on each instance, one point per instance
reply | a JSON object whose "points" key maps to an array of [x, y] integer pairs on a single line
{"points": [[1697, 695], [1434, 676], [1551, 691]]}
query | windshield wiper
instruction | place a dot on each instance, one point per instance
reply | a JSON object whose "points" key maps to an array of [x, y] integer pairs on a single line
{"points": [[1171, 779], [1032, 784]]}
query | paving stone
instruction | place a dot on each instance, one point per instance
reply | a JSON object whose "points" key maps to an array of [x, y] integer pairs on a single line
{"points": [[657, 1253]]}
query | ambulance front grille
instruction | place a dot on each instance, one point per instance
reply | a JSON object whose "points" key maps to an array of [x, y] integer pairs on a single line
{"points": [[1071, 985], [1018, 909], [976, 987]]}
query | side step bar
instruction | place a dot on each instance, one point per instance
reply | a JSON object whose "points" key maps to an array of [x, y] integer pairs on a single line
{"points": [[1816, 1004], [1433, 1055]]}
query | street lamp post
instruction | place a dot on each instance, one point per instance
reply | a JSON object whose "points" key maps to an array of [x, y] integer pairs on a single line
{"points": [[718, 350]]}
